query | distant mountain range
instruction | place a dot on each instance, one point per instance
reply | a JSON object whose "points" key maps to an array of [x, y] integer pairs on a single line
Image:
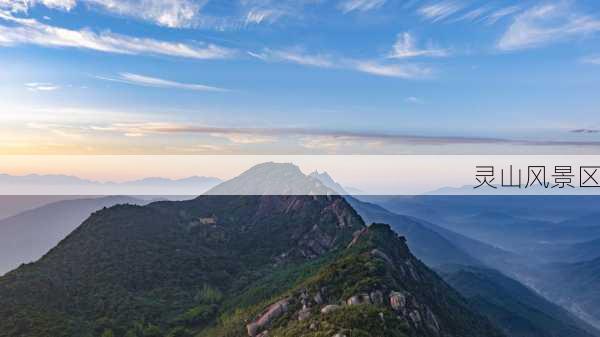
{"points": [[518, 310], [575, 286], [538, 230], [14, 204], [35, 184]]}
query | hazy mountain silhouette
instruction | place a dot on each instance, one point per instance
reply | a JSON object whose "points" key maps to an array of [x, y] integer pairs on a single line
{"points": [[14, 204], [35, 184], [29, 235], [518, 310], [575, 286]]}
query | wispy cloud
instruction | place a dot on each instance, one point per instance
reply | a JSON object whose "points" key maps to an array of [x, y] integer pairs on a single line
{"points": [[17, 6], [591, 59], [474, 14], [406, 46], [546, 24], [487, 14], [37, 86], [147, 81], [586, 131], [347, 6], [262, 15], [498, 14], [373, 67], [172, 13], [264, 135], [406, 70], [30, 31], [413, 100], [246, 138], [295, 56], [440, 11]]}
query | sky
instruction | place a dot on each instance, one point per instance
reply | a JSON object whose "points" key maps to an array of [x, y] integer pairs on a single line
{"points": [[299, 77]]}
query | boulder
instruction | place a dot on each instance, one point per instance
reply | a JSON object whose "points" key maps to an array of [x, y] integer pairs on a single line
{"points": [[398, 301], [359, 299], [272, 312], [304, 314], [330, 308]]}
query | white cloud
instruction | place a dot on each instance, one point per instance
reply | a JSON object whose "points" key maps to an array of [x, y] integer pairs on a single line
{"points": [[474, 14], [591, 60], [330, 144], [407, 71], [37, 86], [347, 6], [66, 5], [406, 46], [414, 100], [260, 15], [295, 56], [440, 11], [501, 13], [30, 31], [546, 24], [246, 138], [488, 15], [169, 13], [373, 67], [147, 81], [16, 6]]}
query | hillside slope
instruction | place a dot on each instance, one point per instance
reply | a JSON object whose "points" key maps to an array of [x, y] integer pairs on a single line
{"points": [[27, 236], [210, 265], [518, 310]]}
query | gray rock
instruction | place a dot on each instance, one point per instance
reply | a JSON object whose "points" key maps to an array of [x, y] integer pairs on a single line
{"points": [[415, 317], [330, 308], [431, 321], [382, 255], [398, 301], [359, 299], [304, 314], [272, 312], [318, 298]]}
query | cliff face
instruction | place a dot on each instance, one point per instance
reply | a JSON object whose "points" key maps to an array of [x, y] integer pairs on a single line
{"points": [[374, 287]]}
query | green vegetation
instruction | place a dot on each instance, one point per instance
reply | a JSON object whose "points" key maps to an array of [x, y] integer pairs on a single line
{"points": [[164, 270]]}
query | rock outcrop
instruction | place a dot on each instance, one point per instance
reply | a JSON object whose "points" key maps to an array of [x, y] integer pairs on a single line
{"points": [[264, 319]]}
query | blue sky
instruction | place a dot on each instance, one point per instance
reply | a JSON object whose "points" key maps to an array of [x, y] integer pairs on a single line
{"points": [[314, 76]]}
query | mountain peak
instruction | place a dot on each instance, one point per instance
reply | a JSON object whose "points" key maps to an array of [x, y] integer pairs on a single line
{"points": [[328, 181], [273, 179]]}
